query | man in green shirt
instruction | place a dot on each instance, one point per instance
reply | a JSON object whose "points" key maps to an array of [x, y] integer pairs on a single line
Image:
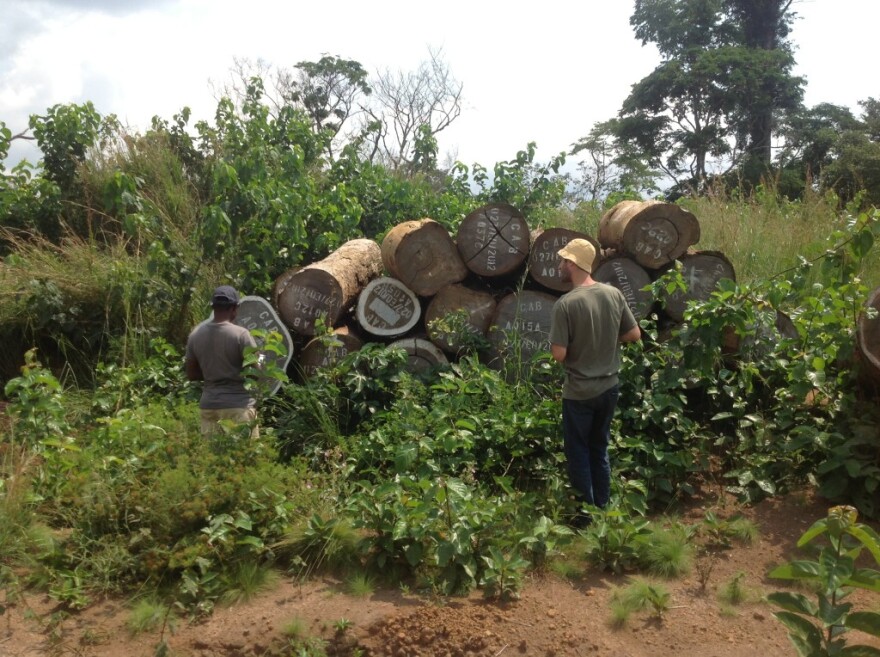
{"points": [[587, 325]]}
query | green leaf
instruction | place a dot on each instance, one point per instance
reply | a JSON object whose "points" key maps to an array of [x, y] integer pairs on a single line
{"points": [[445, 553], [864, 621], [859, 651], [867, 537], [795, 602], [805, 636], [796, 570], [819, 527], [832, 614]]}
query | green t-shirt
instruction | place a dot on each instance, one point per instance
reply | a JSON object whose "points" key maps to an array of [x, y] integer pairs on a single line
{"points": [[588, 322]]}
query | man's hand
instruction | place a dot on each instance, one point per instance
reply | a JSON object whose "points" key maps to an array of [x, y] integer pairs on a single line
{"points": [[193, 370]]}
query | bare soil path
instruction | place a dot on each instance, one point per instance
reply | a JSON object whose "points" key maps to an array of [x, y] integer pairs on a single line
{"points": [[553, 617]]}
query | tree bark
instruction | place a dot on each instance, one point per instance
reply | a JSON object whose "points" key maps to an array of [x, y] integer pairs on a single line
{"points": [[629, 277], [478, 308], [520, 328], [422, 254], [653, 233], [325, 351], [329, 287], [544, 258], [701, 272], [493, 240]]}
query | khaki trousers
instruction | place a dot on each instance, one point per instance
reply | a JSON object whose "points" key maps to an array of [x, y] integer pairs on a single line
{"points": [[211, 417]]}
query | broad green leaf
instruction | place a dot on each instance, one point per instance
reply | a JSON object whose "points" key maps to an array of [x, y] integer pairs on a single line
{"points": [[867, 537], [255, 541], [800, 628], [445, 553], [859, 651], [865, 579], [819, 527], [414, 553], [832, 614], [795, 602], [796, 570], [864, 621]]}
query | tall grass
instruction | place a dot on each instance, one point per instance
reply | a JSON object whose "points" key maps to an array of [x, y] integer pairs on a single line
{"points": [[762, 235]]}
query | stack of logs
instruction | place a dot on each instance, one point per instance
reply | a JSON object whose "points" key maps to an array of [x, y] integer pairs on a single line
{"points": [[496, 277]]}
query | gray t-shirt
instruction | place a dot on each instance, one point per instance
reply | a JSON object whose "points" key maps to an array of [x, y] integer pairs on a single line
{"points": [[218, 347], [588, 322]]}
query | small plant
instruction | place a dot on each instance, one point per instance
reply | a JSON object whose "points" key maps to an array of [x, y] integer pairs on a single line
{"points": [[342, 625], [360, 585], [734, 592], [246, 580], [704, 565], [640, 595], [720, 532], [504, 573], [295, 628], [666, 552], [149, 614], [817, 629]]}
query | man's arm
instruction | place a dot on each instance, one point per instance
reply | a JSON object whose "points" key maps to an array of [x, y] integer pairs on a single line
{"points": [[558, 352], [633, 335], [193, 370]]}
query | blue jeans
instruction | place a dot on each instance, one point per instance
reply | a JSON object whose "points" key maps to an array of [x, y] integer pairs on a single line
{"points": [[586, 427]]}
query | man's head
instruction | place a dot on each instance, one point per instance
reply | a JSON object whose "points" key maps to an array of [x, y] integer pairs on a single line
{"points": [[579, 252], [224, 298]]}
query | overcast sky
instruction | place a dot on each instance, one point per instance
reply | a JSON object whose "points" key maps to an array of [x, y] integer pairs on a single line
{"points": [[542, 72]]}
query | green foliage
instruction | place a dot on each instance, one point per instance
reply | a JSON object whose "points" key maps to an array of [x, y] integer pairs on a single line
{"points": [[640, 595], [615, 537], [818, 628]]}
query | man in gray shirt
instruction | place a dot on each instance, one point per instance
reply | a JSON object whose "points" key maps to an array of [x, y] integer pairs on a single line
{"points": [[215, 355], [586, 326]]}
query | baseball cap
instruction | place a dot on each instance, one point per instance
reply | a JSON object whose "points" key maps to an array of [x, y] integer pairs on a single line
{"points": [[225, 295], [581, 252]]}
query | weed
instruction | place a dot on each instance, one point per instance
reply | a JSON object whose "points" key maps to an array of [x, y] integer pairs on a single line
{"points": [[150, 614], [295, 628], [360, 585], [342, 625], [734, 591], [640, 595], [246, 580], [704, 565], [666, 552]]}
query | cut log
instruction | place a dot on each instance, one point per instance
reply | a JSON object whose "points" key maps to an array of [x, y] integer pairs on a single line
{"points": [[654, 233], [329, 287], [422, 354], [544, 257], [520, 328], [630, 278], [422, 254], [387, 308], [868, 337], [494, 240], [701, 272], [325, 351], [256, 313], [281, 284], [477, 308]]}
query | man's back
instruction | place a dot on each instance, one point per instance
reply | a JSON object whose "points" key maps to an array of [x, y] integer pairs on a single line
{"points": [[219, 349]]}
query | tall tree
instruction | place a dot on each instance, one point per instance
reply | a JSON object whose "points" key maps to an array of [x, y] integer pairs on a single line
{"points": [[695, 114]]}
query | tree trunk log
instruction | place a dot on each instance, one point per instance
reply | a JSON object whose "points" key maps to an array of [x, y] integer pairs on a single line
{"points": [[329, 287], [325, 351], [544, 258], [494, 240], [422, 254], [478, 308], [422, 354], [701, 272], [520, 328], [654, 233], [868, 337], [387, 308], [629, 277]]}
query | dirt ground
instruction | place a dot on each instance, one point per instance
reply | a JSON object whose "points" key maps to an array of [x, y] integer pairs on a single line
{"points": [[553, 617]]}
